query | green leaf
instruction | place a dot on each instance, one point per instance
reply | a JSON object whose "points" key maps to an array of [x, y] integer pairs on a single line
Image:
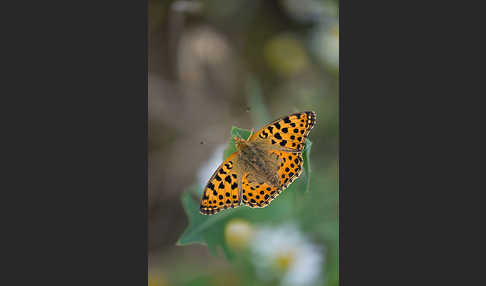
{"points": [[238, 132], [203, 229], [191, 235], [198, 223], [306, 163]]}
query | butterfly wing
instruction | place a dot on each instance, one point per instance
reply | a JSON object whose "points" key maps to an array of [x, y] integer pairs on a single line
{"points": [[222, 190], [257, 194], [290, 167], [289, 132], [260, 194]]}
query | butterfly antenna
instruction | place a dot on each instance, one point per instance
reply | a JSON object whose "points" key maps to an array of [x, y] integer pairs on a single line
{"points": [[251, 132]]}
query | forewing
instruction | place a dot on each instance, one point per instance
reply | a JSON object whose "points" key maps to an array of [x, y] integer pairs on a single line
{"points": [[221, 192], [289, 132]]}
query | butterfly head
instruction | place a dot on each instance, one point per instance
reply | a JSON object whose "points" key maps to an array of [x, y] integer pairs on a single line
{"points": [[240, 143]]}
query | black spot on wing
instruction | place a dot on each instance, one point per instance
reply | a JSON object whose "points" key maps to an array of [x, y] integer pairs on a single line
{"points": [[228, 179], [277, 135], [270, 128], [285, 130], [221, 185], [287, 120], [283, 142], [211, 186], [277, 125], [234, 186]]}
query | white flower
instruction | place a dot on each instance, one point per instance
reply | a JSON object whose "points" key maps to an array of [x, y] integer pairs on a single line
{"points": [[286, 254], [208, 168]]}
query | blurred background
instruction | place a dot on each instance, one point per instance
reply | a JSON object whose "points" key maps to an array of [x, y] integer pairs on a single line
{"points": [[215, 64]]}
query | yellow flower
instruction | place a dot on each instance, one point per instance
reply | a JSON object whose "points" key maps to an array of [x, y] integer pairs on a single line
{"points": [[238, 233], [283, 260]]}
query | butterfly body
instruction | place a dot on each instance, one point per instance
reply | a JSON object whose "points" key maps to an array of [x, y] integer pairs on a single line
{"points": [[254, 159], [262, 167]]}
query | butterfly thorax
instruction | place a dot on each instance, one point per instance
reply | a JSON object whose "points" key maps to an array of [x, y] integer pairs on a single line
{"points": [[255, 159]]}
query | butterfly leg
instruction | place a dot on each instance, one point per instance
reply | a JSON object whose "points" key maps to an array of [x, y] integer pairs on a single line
{"points": [[251, 133]]}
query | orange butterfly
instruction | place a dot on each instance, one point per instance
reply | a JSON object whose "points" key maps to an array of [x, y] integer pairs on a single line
{"points": [[262, 167]]}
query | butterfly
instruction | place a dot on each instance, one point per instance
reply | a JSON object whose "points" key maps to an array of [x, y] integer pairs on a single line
{"points": [[262, 167]]}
